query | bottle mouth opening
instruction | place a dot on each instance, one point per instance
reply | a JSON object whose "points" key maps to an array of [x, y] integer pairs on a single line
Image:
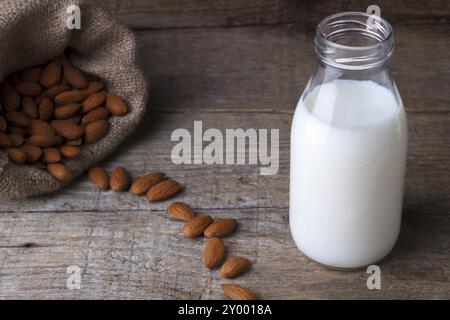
{"points": [[354, 40]]}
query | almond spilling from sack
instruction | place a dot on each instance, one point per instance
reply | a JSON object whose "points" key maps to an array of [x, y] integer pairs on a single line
{"points": [[157, 187], [47, 114], [154, 184]]}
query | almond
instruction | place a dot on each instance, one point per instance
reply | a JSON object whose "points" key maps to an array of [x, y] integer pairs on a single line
{"points": [[30, 108], [67, 129], [43, 140], [221, 228], [236, 292], [93, 101], [214, 253], [180, 211], [143, 184], [55, 90], [99, 177], [5, 141], [115, 105], [16, 139], [60, 171], [234, 267], [9, 99], [3, 124], [33, 153], [68, 97], [67, 111], [18, 119], [100, 113], [163, 190], [39, 98], [27, 88], [16, 155], [196, 226], [119, 180], [70, 152], [51, 155], [75, 77], [75, 142], [32, 74], [40, 127], [94, 86], [95, 131], [45, 109], [51, 75]]}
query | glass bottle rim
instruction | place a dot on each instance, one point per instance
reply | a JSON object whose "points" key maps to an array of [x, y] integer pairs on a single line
{"points": [[354, 56]]}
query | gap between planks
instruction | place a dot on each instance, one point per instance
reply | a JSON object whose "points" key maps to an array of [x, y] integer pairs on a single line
{"points": [[420, 21], [200, 209], [287, 112]]}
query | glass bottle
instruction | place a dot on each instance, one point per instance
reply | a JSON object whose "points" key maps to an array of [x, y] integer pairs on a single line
{"points": [[348, 147]]}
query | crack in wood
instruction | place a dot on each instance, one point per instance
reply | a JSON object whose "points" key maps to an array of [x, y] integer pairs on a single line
{"points": [[25, 245]]}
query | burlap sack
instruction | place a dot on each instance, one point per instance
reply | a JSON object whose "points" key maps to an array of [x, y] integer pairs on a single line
{"points": [[34, 31]]}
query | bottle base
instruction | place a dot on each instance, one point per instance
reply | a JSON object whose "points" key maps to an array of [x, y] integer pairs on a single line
{"points": [[345, 269]]}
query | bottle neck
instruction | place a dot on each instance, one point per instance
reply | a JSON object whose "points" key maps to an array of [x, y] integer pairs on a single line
{"points": [[354, 41]]}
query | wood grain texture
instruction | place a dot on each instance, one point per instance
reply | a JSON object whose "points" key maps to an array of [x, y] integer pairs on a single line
{"points": [[128, 248], [243, 77], [266, 68], [141, 254], [242, 186], [156, 14]]}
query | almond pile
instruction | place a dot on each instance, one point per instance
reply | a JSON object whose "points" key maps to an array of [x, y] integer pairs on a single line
{"points": [[47, 113], [157, 187]]}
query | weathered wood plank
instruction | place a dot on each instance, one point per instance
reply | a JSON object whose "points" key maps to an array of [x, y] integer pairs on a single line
{"points": [[198, 13], [142, 255], [129, 249], [266, 68], [242, 186]]}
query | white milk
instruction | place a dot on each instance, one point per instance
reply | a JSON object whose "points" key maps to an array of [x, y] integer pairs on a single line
{"points": [[348, 154]]}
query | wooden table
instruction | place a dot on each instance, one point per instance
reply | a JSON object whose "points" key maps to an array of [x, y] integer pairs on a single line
{"points": [[237, 64]]}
